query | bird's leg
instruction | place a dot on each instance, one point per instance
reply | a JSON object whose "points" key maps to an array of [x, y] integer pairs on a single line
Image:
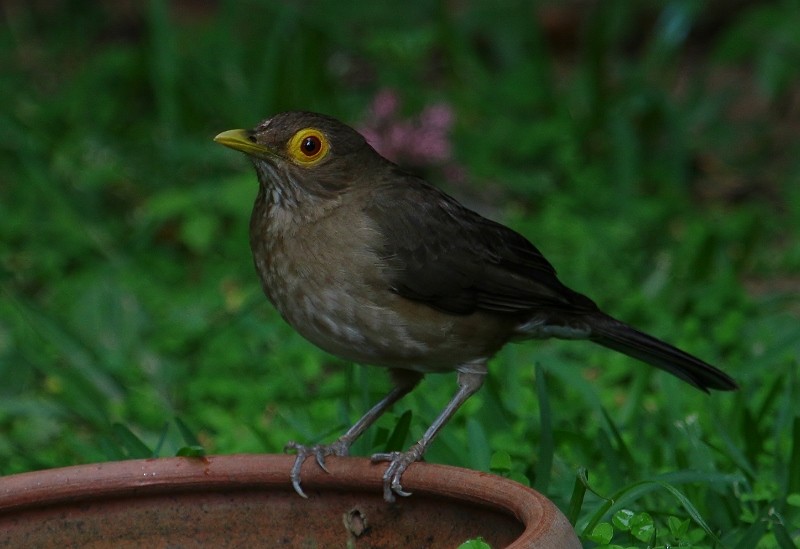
{"points": [[468, 383], [404, 381]]}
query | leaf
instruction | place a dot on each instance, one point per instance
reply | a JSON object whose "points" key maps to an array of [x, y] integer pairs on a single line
{"points": [[622, 519], [400, 432], [690, 508], [677, 527], [187, 434], [519, 477], [642, 527], [500, 463], [131, 443], [578, 493], [477, 543], [162, 438], [602, 533], [632, 492], [191, 452]]}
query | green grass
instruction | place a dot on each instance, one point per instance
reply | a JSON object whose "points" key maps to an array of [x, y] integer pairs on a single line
{"points": [[652, 159]]}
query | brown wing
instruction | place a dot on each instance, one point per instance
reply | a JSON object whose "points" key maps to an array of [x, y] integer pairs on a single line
{"points": [[457, 261]]}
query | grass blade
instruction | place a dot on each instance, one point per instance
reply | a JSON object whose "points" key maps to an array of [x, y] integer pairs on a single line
{"points": [[544, 464], [399, 434], [690, 508], [188, 435], [578, 494], [793, 480], [633, 492], [130, 443]]}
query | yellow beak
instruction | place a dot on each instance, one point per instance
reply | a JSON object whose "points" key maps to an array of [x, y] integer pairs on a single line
{"points": [[240, 140]]}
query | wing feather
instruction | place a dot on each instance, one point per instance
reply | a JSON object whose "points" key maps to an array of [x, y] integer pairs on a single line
{"points": [[450, 257]]}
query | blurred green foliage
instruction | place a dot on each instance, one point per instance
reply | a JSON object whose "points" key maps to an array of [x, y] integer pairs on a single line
{"points": [[649, 149]]}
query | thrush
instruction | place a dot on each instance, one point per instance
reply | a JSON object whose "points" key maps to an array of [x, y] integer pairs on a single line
{"points": [[377, 266]]}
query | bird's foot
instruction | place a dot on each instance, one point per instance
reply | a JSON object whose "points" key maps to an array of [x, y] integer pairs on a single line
{"points": [[319, 451], [398, 463]]}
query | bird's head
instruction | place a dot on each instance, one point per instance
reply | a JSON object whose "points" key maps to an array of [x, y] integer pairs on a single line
{"points": [[304, 151]]}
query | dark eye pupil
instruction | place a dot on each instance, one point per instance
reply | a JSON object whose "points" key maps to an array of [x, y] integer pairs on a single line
{"points": [[311, 145]]}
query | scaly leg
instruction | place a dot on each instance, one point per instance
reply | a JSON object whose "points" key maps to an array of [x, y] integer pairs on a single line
{"points": [[468, 384], [404, 380]]}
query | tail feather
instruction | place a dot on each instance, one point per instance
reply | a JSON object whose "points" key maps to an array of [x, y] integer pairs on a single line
{"points": [[628, 340]]}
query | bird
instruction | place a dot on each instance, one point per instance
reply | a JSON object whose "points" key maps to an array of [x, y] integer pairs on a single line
{"points": [[378, 266]]}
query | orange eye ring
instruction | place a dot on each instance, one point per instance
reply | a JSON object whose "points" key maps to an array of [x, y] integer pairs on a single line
{"points": [[308, 147]]}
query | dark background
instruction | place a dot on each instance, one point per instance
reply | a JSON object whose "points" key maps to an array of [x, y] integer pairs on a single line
{"points": [[649, 149]]}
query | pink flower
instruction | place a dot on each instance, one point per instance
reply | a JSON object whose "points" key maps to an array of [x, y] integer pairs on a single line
{"points": [[420, 142], [385, 104]]}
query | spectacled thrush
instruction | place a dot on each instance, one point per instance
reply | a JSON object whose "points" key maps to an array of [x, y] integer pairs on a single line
{"points": [[377, 266]]}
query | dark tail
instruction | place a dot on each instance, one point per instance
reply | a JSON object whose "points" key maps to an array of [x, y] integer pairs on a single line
{"points": [[616, 335]]}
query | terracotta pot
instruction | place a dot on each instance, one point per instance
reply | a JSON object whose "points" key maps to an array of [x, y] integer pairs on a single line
{"points": [[248, 501]]}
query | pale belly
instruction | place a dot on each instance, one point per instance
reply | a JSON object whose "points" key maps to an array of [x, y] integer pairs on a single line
{"points": [[329, 285], [383, 329]]}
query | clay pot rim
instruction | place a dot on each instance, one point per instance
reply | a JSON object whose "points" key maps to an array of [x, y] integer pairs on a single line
{"points": [[247, 471]]}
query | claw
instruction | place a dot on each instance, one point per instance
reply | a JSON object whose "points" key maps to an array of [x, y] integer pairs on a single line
{"points": [[302, 455], [296, 480], [398, 463], [319, 451], [321, 461], [398, 489]]}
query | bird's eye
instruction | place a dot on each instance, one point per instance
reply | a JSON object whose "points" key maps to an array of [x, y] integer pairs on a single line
{"points": [[311, 145], [308, 147]]}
